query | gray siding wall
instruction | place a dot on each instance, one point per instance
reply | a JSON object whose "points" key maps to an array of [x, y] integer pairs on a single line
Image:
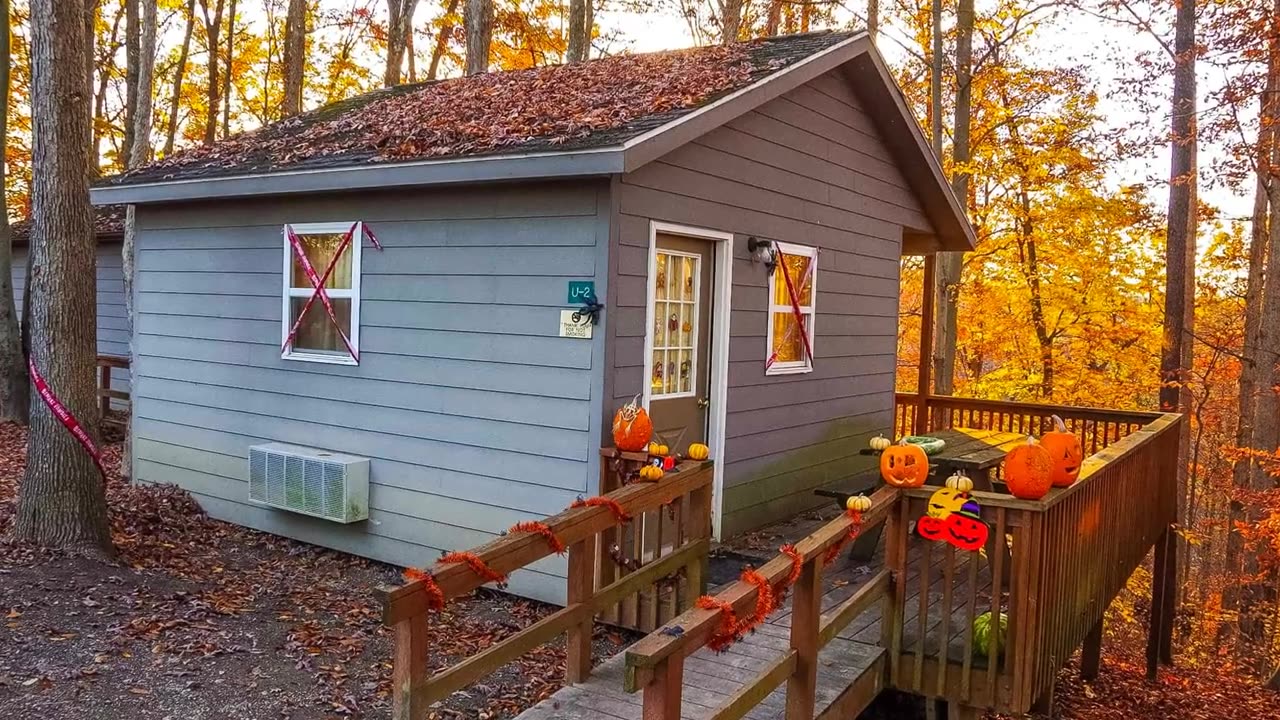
{"points": [[807, 168], [474, 413], [113, 333]]}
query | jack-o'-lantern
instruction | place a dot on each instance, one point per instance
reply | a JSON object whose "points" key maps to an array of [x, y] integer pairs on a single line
{"points": [[931, 528], [698, 451], [632, 427], [904, 465], [945, 501], [966, 530], [1028, 470], [880, 442], [1064, 448]]}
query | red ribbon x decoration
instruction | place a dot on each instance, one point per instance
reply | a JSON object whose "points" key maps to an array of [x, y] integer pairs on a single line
{"points": [[318, 281], [795, 306]]}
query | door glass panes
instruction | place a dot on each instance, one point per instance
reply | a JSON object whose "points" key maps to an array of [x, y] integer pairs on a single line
{"points": [[675, 324]]}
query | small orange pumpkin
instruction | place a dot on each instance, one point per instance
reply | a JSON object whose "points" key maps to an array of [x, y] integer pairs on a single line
{"points": [[904, 465], [632, 427], [1028, 470], [1064, 448]]}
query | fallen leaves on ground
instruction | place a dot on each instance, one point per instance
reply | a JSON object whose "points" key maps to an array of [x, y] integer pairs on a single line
{"points": [[200, 618]]}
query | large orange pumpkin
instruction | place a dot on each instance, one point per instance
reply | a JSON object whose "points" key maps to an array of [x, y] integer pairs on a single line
{"points": [[1064, 448], [1028, 470], [632, 427], [904, 465]]}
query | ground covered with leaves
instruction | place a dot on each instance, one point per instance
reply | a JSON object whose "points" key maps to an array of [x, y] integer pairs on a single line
{"points": [[202, 619]]}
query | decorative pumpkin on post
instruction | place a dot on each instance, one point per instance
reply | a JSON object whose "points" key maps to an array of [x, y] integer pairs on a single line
{"points": [[960, 482], [656, 448], [858, 503], [904, 465], [699, 452], [632, 427], [880, 443], [1064, 448], [1028, 470], [651, 473]]}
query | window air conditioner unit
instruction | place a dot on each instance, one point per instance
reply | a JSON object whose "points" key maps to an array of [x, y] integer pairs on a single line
{"points": [[310, 481]]}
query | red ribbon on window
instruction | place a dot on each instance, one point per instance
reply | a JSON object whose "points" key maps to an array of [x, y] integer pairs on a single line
{"points": [[317, 282], [795, 306], [65, 416]]}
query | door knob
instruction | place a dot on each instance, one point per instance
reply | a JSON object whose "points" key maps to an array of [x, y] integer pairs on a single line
{"points": [[704, 403]]}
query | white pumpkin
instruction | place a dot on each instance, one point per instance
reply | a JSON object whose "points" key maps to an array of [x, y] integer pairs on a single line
{"points": [[960, 482], [879, 443]]}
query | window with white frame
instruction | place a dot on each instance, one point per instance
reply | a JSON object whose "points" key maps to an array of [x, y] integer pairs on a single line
{"points": [[787, 333], [319, 337]]}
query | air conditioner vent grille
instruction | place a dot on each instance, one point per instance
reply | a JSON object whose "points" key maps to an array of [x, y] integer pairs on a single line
{"points": [[310, 481]]}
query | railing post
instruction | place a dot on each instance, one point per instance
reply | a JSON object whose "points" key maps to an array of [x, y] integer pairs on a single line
{"points": [[577, 663], [104, 402], [662, 696], [699, 527], [806, 619], [409, 669], [1091, 652]]}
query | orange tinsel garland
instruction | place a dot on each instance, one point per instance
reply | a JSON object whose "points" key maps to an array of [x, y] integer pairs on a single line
{"points": [[834, 551], [540, 528], [478, 566], [600, 501], [797, 563], [728, 631], [435, 596]]}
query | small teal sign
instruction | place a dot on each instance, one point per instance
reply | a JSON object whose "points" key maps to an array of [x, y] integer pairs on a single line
{"points": [[580, 291]]}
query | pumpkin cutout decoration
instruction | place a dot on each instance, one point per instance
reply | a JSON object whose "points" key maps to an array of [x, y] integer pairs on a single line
{"points": [[1064, 448], [651, 472], [966, 530], [632, 427], [945, 501], [858, 503], [658, 449], [880, 443], [904, 465], [1028, 470], [960, 483], [932, 528], [699, 452]]}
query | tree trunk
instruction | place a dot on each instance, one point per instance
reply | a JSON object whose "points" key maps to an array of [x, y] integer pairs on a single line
{"points": [[213, 31], [13, 367], [951, 265], [90, 20], [773, 19], [295, 47], [227, 71], [442, 39], [99, 120], [873, 18], [62, 500], [132, 53], [730, 20], [179, 74], [399, 26], [579, 33], [479, 24]]}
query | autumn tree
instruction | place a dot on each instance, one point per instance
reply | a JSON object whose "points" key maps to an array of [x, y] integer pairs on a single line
{"points": [[479, 27], [579, 31], [179, 76], [13, 370], [399, 32], [212, 16], [61, 500], [295, 43]]}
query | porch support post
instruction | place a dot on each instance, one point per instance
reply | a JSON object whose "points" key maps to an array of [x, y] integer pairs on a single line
{"points": [[924, 386], [1091, 652], [1161, 606]]}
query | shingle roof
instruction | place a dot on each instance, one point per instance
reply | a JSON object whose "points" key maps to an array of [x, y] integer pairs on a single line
{"points": [[108, 223], [571, 107]]}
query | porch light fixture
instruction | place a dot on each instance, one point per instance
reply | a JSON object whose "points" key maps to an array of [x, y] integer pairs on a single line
{"points": [[763, 251]]}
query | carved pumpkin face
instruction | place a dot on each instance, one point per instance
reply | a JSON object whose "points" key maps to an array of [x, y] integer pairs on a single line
{"points": [[904, 465], [1028, 471], [1064, 448], [931, 528], [945, 501], [632, 427], [966, 531]]}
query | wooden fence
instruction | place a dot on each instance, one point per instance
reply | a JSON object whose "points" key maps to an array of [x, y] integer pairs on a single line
{"points": [[589, 533], [106, 393]]}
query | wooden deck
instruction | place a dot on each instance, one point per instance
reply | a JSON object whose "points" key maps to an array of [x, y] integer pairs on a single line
{"points": [[851, 670]]}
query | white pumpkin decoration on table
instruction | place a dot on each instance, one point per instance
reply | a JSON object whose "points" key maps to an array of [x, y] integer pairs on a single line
{"points": [[879, 443], [960, 482]]}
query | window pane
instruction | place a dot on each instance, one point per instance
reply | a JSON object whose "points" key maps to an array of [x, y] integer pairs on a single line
{"points": [[320, 249], [798, 268], [690, 272], [787, 342], [660, 282], [317, 333]]}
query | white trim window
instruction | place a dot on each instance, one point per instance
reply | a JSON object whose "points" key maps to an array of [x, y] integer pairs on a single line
{"points": [[318, 338], [785, 349], [676, 312]]}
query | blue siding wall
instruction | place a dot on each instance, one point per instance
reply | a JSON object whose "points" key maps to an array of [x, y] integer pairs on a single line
{"points": [[474, 413]]}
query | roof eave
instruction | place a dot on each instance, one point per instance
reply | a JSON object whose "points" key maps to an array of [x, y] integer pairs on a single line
{"points": [[495, 168]]}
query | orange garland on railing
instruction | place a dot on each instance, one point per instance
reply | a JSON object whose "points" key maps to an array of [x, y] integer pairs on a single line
{"points": [[601, 501], [834, 551], [728, 632], [768, 599], [435, 596], [797, 563], [540, 528], [478, 566]]}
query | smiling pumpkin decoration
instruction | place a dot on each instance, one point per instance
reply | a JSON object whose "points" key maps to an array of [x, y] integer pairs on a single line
{"points": [[904, 465], [1064, 448], [962, 528], [945, 501]]}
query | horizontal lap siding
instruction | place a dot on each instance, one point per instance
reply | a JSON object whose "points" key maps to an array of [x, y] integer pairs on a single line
{"points": [[807, 168], [474, 413], [113, 327]]}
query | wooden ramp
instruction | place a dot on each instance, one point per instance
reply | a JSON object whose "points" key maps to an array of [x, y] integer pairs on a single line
{"points": [[852, 667]]}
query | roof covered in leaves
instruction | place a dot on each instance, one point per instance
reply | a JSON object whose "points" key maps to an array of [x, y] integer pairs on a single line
{"points": [[108, 223], [598, 103]]}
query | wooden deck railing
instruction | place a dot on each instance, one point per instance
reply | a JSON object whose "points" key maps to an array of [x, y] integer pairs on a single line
{"points": [[105, 392], [655, 664], [1058, 562], [1096, 427], [588, 533]]}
